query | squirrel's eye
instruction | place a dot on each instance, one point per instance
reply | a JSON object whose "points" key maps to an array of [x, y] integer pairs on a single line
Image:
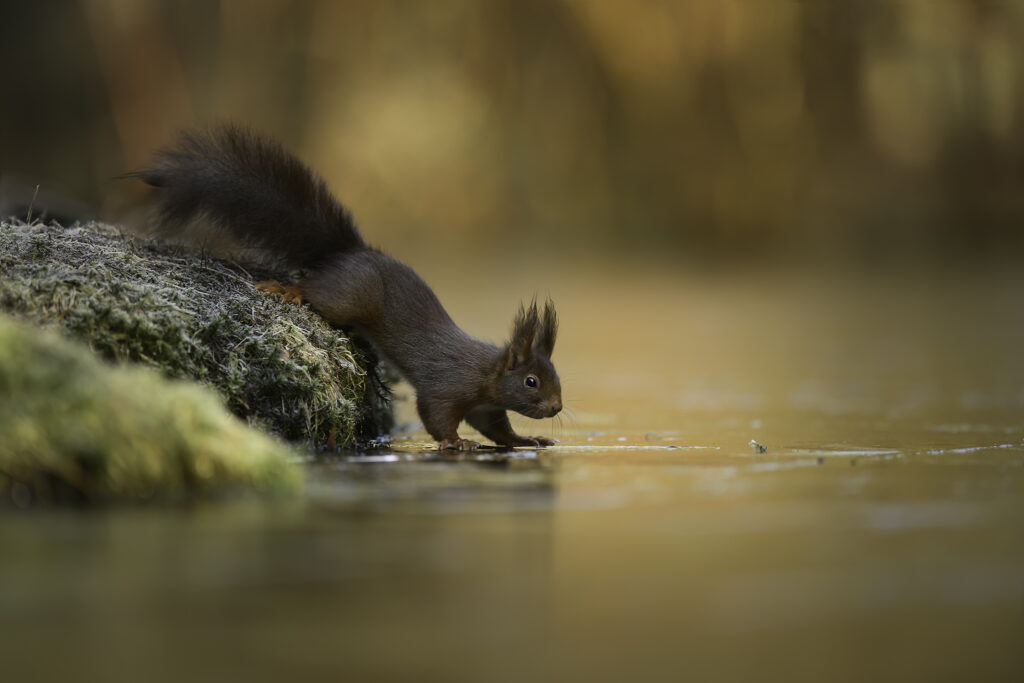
{"points": [[531, 381]]}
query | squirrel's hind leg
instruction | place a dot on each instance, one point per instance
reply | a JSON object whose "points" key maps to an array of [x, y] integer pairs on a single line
{"points": [[290, 293], [441, 422], [457, 445]]}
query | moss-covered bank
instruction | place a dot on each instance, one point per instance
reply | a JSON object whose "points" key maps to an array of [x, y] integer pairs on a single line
{"points": [[77, 429], [276, 365]]}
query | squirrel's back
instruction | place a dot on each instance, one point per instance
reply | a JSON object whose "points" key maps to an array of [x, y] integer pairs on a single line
{"points": [[251, 187]]}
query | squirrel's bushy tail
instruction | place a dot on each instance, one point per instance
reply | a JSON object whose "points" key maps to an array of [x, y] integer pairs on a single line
{"points": [[251, 187]]}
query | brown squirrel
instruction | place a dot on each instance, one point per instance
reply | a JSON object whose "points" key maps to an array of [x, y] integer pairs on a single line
{"points": [[252, 190]]}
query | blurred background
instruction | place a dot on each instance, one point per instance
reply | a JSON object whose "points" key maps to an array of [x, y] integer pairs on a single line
{"points": [[789, 223], [721, 131]]}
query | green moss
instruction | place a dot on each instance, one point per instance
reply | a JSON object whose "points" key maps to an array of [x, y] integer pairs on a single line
{"points": [[275, 364], [77, 428]]}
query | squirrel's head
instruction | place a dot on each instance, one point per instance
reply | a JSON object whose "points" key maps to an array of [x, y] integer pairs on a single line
{"points": [[528, 383]]}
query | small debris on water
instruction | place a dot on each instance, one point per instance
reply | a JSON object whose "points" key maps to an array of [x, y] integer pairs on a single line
{"points": [[758, 448], [622, 438], [652, 436], [821, 461]]}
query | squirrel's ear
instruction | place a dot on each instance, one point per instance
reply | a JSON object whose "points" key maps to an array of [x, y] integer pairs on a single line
{"points": [[508, 361], [548, 329], [524, 331]]}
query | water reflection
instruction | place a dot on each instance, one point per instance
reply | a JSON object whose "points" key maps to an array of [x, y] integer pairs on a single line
{"points": [[419, 480], [879, 535]]}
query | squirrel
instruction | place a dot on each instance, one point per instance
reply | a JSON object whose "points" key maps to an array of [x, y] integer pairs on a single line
{"points": [[256, 193]]}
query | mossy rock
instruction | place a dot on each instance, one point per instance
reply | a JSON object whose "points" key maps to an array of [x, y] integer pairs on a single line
{"points": [[277, 365], [78, 429]]}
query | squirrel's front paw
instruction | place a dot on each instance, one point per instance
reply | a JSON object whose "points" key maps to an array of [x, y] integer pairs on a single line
{"points": [[531, 441], [458, 445]]}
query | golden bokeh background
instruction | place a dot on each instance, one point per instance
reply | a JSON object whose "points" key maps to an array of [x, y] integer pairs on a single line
{"points": [[875, 131], [778, 223]]}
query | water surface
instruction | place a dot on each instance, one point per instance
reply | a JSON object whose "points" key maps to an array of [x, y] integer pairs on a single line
{"points": [[880, 535]]}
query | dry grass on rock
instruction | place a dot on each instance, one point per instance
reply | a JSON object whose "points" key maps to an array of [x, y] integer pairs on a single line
{"points": [[277, 365]]}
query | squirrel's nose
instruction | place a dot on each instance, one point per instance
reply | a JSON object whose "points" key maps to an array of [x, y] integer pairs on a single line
{"points": [[556, 407]]}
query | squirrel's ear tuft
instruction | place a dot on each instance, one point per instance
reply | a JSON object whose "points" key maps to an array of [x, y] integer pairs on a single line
{"points": [[524, 331], [548, 329]]}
